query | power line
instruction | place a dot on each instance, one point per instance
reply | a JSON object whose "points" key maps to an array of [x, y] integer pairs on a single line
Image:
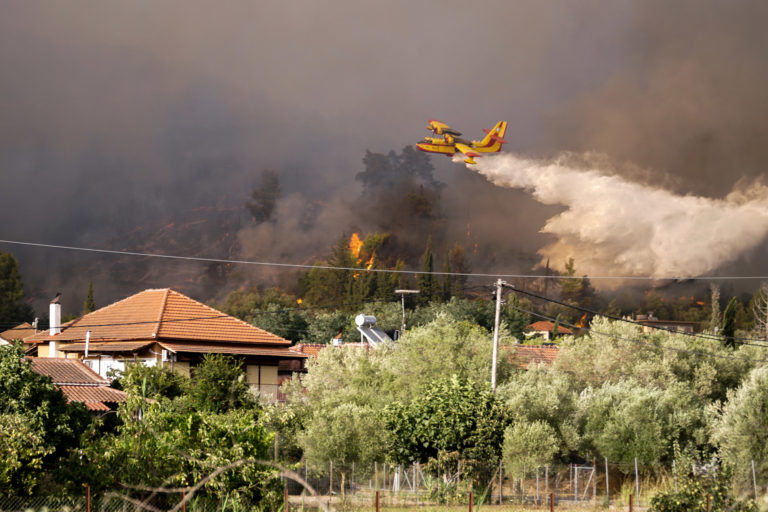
{"points": [[213, 317], [643, 344], [381, 270], [742, 341]]}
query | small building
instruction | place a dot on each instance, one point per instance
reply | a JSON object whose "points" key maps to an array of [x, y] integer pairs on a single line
{"points": [[79, 383], [165, 327], [545, 330], [650, 323], [19, 333]]}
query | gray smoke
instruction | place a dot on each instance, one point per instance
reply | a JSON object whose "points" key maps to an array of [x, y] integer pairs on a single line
{"points": [[614, 227]]}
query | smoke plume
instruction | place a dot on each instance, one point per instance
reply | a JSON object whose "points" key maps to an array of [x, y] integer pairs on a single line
{"points": [[613, 226]]}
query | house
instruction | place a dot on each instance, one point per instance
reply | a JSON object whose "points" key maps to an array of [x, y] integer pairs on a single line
{"points": [[545, 329], [650, 323], [20, 332], [79, 383], [163, 326]]}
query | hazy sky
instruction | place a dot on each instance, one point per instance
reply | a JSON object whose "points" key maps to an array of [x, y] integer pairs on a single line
{"points": [[113, 113]]}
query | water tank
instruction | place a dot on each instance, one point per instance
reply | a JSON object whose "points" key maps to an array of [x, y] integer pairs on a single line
{"points": [[362, 320]]}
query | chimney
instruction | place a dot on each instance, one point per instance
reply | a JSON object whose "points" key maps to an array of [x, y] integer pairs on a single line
{"points": [[55, 316]]}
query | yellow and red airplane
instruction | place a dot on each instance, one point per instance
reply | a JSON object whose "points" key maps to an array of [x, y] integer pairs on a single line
{"points": [[451, 141]]}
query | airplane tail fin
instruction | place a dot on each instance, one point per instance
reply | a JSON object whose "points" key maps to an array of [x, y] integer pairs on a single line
{"points": [[493, 139]]}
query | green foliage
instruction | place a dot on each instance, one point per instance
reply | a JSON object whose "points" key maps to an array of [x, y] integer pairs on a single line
{"points": [[172, 445], [427, 282], [729, 323], [544, 395], [26, 394], [151, 381], [242, 303], [338, 407], [344, 434], [741, 432], [90, 304], [693, 491], [451, 415], [289, 323], [219, 384], [22, 452], [12, 310], [445, 346], [529, 445], [324, 326], [624, 421]]}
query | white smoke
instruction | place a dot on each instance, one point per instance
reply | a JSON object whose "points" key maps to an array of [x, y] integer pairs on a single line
{"points": [[612, 226]]}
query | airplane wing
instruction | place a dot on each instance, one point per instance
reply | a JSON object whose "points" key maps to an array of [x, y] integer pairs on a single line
{"points": [[467, 151]]}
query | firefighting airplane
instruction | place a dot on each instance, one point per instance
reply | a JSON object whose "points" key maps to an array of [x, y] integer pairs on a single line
{"points": [[450, 142]]}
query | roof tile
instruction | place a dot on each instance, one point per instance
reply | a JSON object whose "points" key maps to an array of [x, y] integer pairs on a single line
{"points": [[161, 314]]}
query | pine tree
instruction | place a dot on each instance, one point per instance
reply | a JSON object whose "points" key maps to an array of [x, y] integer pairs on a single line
{"points": [[715, 319], [729, 323], [426, 281], [90, 304], [447, 290], [458, 265]]}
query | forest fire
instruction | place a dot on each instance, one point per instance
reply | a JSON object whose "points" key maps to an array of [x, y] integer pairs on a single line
{"points": [[355, 244]]}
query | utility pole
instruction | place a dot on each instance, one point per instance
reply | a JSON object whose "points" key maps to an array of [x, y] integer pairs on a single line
{"points": [[402, 294], [499, 284]]}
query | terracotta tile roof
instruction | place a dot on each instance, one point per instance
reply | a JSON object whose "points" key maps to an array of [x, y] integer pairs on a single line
{"points": [[78, 382], [19, 332], [111, 346], [526, 355], [94, 397], [238, 349], [311, 349], [549, 327], [66, 371], [161, 314], [216, 327]]}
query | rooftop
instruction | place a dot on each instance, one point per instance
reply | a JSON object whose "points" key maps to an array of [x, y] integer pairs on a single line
{"points": [[160, 314]]}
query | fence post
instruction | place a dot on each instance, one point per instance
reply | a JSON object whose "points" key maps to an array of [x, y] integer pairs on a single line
{"points": [[330, 483], [537, 485], [378, 501], [754, 480], [285, 499], [630, 503], [607, 490], [184, 501], [637, 483], [551, 502], [708, 504], [87, 498], [674, 472], [594, 479], [471, 500], [501, 482]]}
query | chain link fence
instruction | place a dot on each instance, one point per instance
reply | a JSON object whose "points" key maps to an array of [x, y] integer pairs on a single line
{"points": [[351, 487]]}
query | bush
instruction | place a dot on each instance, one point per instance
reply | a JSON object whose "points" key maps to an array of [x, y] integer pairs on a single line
{"points": [[692, 495]]}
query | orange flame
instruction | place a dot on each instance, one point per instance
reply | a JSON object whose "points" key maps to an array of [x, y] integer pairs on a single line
{"points": [[355, 244], [299, 300], [580, 323], [369, 263]]}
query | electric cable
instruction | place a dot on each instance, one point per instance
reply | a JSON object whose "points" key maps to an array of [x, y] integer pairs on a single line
{"points": [[379, 270], [644, 344], [742, 341]]}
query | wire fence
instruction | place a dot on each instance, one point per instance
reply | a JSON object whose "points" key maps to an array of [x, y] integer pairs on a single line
{"points": [[351, 487]]}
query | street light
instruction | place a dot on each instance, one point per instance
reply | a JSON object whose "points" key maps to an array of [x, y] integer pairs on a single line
{"points": [[402, 294]]}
